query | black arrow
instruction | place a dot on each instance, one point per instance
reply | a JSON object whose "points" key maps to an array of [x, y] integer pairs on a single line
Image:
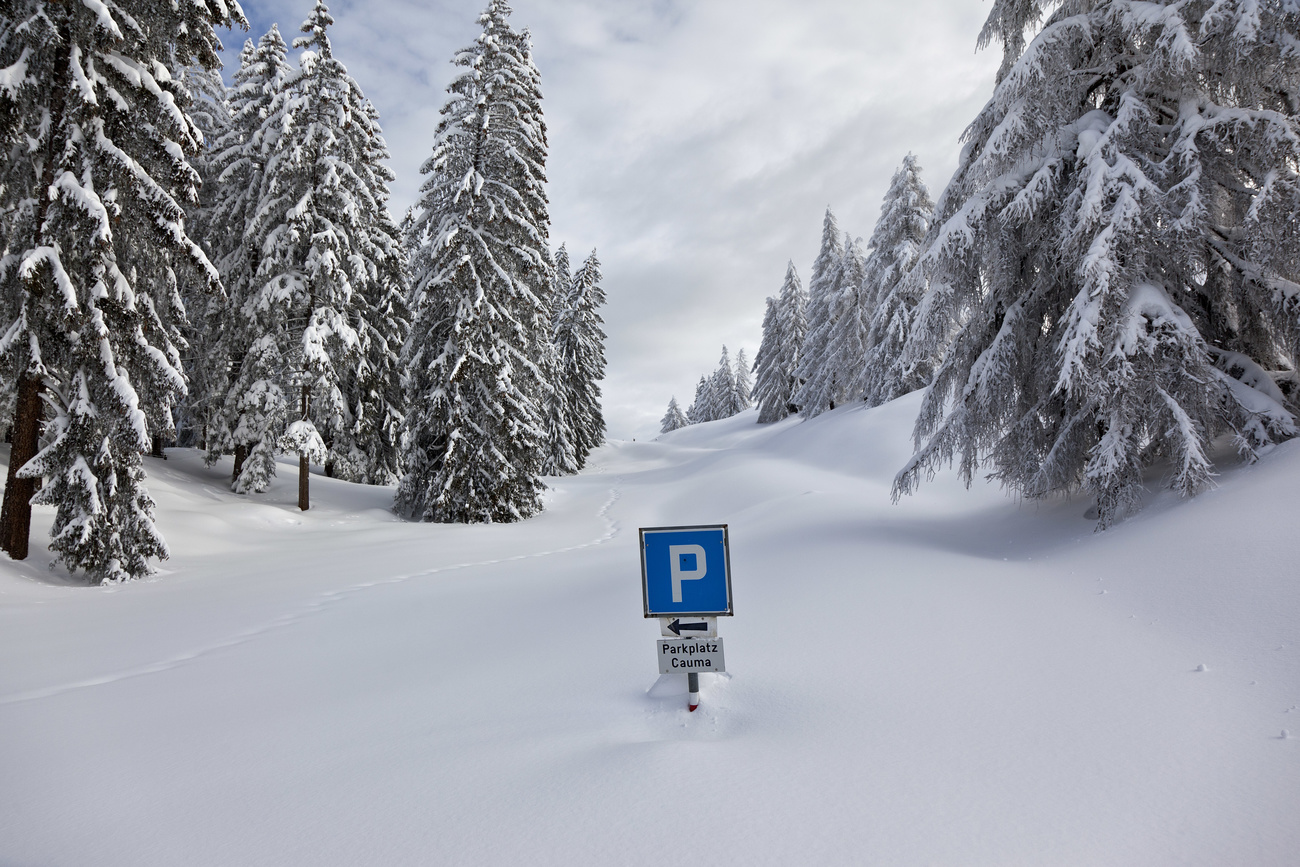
{"points": [[677, 626]]}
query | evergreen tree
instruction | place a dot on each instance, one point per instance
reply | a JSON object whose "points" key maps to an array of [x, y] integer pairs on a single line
{"points": [[205, 362], [843, 370], [895, 246], [580, 347], [254, 406], [368, 451], [474, 433], [700, 409], [1111, 277], [814, 394], [777, 363], [330, 260], [744, 382], [723, 399], [674, 418], [93, 185], [764, 363], [561, 455]]}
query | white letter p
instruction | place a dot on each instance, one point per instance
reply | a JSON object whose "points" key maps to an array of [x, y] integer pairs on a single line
{"points": [[678, 558]]}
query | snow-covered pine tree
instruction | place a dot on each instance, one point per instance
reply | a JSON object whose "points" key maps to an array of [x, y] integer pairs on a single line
{"points": [[777, 363], [700, 409], [369, 450], [895, 246], [474, 433], [561, 457], [254, 405], [580, 345], [1116, 258], [205, 361], [843, 370], [93, 185], [326, 239], [674, 418], [723, 396], [744, 381], [813, 396], [765, 370]]}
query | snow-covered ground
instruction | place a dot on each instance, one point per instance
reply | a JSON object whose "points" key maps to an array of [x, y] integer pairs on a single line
{"points": [[956, 680]]}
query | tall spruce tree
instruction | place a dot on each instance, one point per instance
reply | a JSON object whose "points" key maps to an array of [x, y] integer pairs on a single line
{"points": [[474, 433], [777, 362], [724, 397], [1112, 277], [814, 395], [580, 347], [254, 405], [561, 455], [744, 379], [369, 449], [329, 261], [895, 247], [701, 409], [93, 185], [204, 359], [843, 372]]}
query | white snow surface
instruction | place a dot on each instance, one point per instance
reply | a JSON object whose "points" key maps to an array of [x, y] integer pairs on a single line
{"points": [[960, 679]]}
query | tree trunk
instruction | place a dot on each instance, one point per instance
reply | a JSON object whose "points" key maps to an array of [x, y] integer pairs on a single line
{"points": [[241, 452], [157, 450], [16, 512], [304, 502]]}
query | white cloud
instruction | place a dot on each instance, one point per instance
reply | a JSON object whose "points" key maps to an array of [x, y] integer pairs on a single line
{"points": [[694, 144]]}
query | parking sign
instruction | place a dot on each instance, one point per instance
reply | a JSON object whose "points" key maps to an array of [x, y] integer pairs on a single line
{"points": [[686, 571]]}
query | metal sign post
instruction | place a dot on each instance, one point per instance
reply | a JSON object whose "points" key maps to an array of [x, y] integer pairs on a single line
{"points": [[686, 583]]}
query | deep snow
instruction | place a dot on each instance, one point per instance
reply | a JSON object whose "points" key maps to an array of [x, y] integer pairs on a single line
{"points": [[957, 680]]}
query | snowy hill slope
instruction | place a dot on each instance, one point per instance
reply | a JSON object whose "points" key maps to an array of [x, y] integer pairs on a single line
{"points": [[957, 679]]}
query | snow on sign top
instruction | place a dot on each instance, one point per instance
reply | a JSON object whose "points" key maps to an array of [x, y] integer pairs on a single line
{"points": [[686, 571]]}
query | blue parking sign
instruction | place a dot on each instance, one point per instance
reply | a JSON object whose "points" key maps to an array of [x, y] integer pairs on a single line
{"points": [[686, 571]]}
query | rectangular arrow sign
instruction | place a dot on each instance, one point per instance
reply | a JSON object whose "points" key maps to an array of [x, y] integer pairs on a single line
{"points": [[687, 655], [688, 627]]}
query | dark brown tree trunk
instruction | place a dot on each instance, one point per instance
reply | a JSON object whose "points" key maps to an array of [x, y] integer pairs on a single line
{"points": [[157, 451], [16, 512], [304, 501], [16, 509], [241, 452]]}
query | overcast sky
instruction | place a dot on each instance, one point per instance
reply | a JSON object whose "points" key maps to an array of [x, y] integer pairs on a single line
{"points": [[695, 144]]}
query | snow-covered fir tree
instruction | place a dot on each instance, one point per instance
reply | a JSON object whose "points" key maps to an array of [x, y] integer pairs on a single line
{"points": [[474, 435], [842, 375], [895, 246], [204, 358], [723, 396], [785, 327], [814, 395], [561, 456], [580, 348], [674, 418], [93, 186], [1112, 276], [744, 381], [254, 404], [369, 451], [701, 408], [329, 260]]}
